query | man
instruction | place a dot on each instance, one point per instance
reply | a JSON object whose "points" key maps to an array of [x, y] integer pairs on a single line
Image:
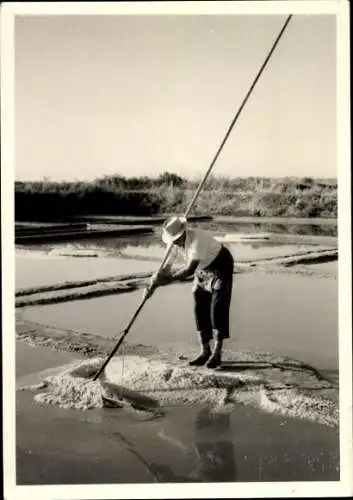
{"points": [[212, 266]]}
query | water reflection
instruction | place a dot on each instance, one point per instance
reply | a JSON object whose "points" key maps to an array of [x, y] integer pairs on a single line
{"points": [[214, 447], [160, 472], [150, 248], [206, 452], [113, 245], [268, 227]]}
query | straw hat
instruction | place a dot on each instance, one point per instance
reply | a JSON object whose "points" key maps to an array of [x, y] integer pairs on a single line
{"points": [[173, 228]]}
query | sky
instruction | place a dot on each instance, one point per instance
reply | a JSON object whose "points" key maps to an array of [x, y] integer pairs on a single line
{"points": [[140, 95]]}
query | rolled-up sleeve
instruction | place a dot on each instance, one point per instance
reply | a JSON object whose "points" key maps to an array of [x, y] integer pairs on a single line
{"points": [[173, 258], [193, 251]]}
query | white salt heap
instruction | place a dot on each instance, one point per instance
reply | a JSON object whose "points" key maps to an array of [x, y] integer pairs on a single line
{"points": [[74, 388], [72, 392], [293, 404], [303, 406], [149, 384], [175, 384]]}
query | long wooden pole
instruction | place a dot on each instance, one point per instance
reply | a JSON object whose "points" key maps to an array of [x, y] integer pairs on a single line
{"points": [[197, 192]]}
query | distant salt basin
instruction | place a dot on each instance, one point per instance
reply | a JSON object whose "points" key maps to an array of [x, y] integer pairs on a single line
{"points": [[43, 269], [243, 236], [72, 252], [68, 251]]}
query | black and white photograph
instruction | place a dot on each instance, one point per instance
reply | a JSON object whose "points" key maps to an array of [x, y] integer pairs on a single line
{"points": [[176, 255]]}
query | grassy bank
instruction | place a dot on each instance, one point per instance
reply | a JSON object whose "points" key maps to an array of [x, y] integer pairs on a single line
{"points": [[116, 195]]}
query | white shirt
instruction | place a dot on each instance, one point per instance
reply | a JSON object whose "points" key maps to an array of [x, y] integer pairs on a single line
{"points": [[200, 245]]}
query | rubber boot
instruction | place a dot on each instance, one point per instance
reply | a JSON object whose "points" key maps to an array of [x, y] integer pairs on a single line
{"points": [[216, 359], [203, 357]]}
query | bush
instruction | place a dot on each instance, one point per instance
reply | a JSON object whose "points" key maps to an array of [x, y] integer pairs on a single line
{"points": [[117, 195]]}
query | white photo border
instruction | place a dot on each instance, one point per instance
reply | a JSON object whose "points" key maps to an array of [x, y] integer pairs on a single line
{"points": [[344, 487]]}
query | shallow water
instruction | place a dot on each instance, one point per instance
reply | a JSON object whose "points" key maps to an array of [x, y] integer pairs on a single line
{"points": [[34, 269], [218, 227], [288, 314], [189, 443], [30, 360], [58, 262], [60, 446]]}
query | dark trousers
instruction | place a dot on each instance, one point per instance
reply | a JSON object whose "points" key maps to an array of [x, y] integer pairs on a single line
{"points": [[212, 298]]}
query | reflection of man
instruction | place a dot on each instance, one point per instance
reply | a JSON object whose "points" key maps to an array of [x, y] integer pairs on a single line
{"points": [[214, 447], [212, 266]]}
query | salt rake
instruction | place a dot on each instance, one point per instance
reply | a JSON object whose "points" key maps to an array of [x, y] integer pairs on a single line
{"points": [[197, 192]]}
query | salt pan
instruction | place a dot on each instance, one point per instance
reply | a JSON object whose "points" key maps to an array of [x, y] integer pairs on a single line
{"points": [[149, 384]]}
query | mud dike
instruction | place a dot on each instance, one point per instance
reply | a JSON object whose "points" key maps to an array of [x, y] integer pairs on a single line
{"points": [[113, 285], [152, 386]]}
